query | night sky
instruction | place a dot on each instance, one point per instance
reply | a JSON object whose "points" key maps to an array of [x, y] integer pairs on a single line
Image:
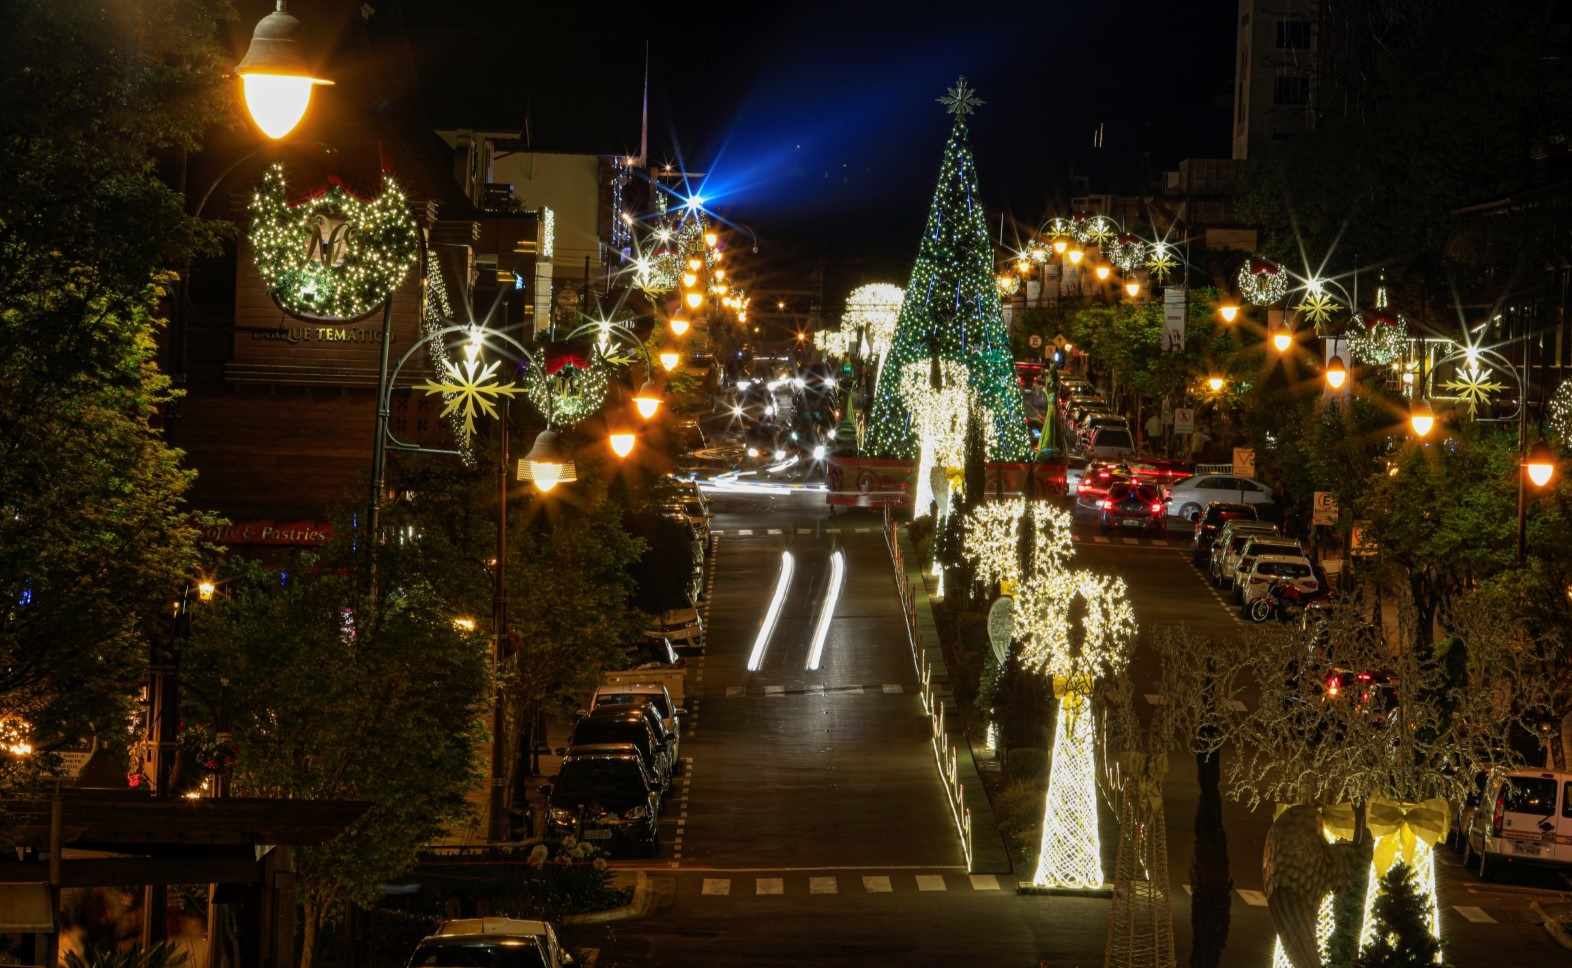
{"points": [[816, 123]]}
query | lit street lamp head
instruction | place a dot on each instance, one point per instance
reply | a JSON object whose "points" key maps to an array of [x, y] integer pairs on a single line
{"points": [[648, 400], [546, 465], [1421, 417], [1229, 311], [1283, 338], [1540, 464], [1336, 373], [275, 76]]}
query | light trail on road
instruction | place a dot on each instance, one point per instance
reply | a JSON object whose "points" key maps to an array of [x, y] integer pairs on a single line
{"points": [[827, 612], [773, 613]]}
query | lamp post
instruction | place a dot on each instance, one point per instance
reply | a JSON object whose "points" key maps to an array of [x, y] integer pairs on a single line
{"points": [[275, 77], [1537, 465]]}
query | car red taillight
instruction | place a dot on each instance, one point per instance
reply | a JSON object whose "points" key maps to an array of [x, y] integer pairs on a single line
{"points": [[1157, 509], [1333, 686]]}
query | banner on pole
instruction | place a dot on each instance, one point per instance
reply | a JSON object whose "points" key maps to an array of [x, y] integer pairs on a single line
{"points": [[1173, 318]]}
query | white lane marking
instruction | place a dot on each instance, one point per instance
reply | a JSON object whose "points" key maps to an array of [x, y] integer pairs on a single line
{"points": [[984, 882], [775, 690], [864, 530], [747, 531], [876, 885], [773, 531], [1476, 915], [1253, 898], [769, 885], [851, 690], [816, 690], [804, 530], [832, 530], [732, 692], [822, 885], [930, 882], [717, 532], [767, 628], [893, 688], [827, 610], [717, 885]]}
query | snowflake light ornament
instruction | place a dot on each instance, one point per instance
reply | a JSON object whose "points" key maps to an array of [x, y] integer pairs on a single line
{"points": [[961, 100], [1318, 305], [471, 387], [1160, 261], [1099, 230], [1474, 385]]}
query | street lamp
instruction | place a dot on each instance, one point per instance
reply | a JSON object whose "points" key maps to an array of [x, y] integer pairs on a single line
{"points": [[679, 326], [647, 401], [1228, 310], [274, 74], [1538, 467], [546, 465], [1102, 272], [1421, 417], [1216, 383], [1132, 288], [1282, 336], [1540, 464], [1336, 373]]}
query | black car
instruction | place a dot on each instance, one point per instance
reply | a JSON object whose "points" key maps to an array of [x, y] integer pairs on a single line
{"points": [[606, 795], [1211, 521], [1131, 506], [626, 724]]}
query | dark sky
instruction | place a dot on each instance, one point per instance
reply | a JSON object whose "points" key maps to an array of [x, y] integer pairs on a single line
{"points": [[816, 124]]}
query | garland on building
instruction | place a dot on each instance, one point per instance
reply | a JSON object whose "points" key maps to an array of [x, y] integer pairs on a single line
{"points": [[951, 310], [333, 256]]}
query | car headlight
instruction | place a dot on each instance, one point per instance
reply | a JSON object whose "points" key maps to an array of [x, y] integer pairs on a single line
{"points": [[753, 451], [637, 813], [780, 455], [818, 452]]}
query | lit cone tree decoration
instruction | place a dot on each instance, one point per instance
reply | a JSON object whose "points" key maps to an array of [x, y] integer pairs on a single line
{"points": [[952, 301], [1075, 627], [1560, 419], [1378, 335]]}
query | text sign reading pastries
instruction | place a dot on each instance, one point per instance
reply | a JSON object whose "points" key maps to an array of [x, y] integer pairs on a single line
{"points": [[333, 257]]}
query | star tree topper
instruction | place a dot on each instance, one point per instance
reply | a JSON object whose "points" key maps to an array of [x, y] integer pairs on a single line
{"points": [[961, 100]]}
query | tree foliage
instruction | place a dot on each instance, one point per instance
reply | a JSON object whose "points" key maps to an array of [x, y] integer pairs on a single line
{"points": [[93, 538]]}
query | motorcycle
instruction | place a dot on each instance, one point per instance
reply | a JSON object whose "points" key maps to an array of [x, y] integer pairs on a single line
{"points": [[1282, 600]]}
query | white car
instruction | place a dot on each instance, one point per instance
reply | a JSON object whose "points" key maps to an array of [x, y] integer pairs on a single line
{"points": [[1237, 566], [1187, 498], [1224, 543], [1109, 443], [1295, 569], [683, 626], [487, 941]]}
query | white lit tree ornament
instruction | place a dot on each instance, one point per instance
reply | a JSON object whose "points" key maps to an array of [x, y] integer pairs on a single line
{"points": [[335, 256], [1076, 627], [939, 416], [992, 539]]}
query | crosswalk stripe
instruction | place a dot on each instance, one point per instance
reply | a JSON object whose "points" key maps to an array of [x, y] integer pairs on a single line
{"points": [[878, 884], [864, 530], [930, 882], [804, 530], [769, 885], [851, 690], [747, 531], [822, 885], [773, 531], [984, 882], [893, 688], [1130, 541], [1476, 915], [775, 690], [832, 530], [816, 690], [1253, 898], [732, 692], [717, 532], [717, 885]]}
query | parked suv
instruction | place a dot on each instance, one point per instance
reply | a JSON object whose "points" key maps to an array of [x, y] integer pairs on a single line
{"points": [[1230, 538], [494, 942], [1210, 521], [1525, 817], [1110, 443], [607, 796]]}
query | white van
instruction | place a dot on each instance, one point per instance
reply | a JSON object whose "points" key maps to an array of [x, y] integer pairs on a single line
{"points": [[1524, 817]]}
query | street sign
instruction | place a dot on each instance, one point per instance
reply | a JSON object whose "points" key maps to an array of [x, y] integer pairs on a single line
{"points": [[1324, 510], [1184, 420], [1060, 341], [1001, 626], [1244, 461], [1034, 341]]}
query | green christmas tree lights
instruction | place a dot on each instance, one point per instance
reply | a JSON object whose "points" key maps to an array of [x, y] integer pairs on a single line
{"points": [[952, 310]]}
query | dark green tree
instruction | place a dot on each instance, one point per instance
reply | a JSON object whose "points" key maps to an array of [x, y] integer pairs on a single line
{"points": [[952, 307], [94, 540], [1402, 926], [336, 694]]}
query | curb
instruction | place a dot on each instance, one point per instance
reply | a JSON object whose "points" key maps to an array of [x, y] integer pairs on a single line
{"points": [[637, 907], [1551, 925]]}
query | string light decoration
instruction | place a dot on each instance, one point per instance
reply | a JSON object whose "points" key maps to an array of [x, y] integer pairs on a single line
{"points": [[1126, 252], [334, 256], [1378, 336], [952, 302], [435, 314], [571, 393], [834, 343], [991, 537], [472, 388], [1075, 626], [1560, 419], [874, 309], [1261, 282], [1318, 304], [939, 416]]}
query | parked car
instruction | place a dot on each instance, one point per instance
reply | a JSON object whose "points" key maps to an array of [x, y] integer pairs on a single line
{"points": [[694, 512], [607, 796], [1099, 420], [684, 487], [1230, 537], [1294, 569], [645, 708], [1131, 506], [1210, 521], [655, 694], [1524, 818], [683, 626], [1242, 558], [1191, 495], [624, 724], [494, 942], [1074, 469]]}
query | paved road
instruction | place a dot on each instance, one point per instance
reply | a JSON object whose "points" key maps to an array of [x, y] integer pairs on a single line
{"points": [[811, 826]]}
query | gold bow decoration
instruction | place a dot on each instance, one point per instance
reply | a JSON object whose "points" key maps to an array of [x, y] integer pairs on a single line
{"points": [[957, 478], [1146, 773], [1072, 691], [1007, 587], [1399, 827], [1337, 819]]}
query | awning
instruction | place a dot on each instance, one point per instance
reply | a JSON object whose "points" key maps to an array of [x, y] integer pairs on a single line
{"points": [[25, 909]]}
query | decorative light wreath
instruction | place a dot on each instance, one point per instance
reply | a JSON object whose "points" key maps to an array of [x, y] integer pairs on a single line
{"points": [[1261, 282], [1560, 419], [1378, 336], [334, 257], [1126, 251], [569, 388]]}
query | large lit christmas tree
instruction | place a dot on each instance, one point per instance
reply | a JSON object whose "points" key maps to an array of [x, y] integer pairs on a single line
{"points": [[951, 311]]}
